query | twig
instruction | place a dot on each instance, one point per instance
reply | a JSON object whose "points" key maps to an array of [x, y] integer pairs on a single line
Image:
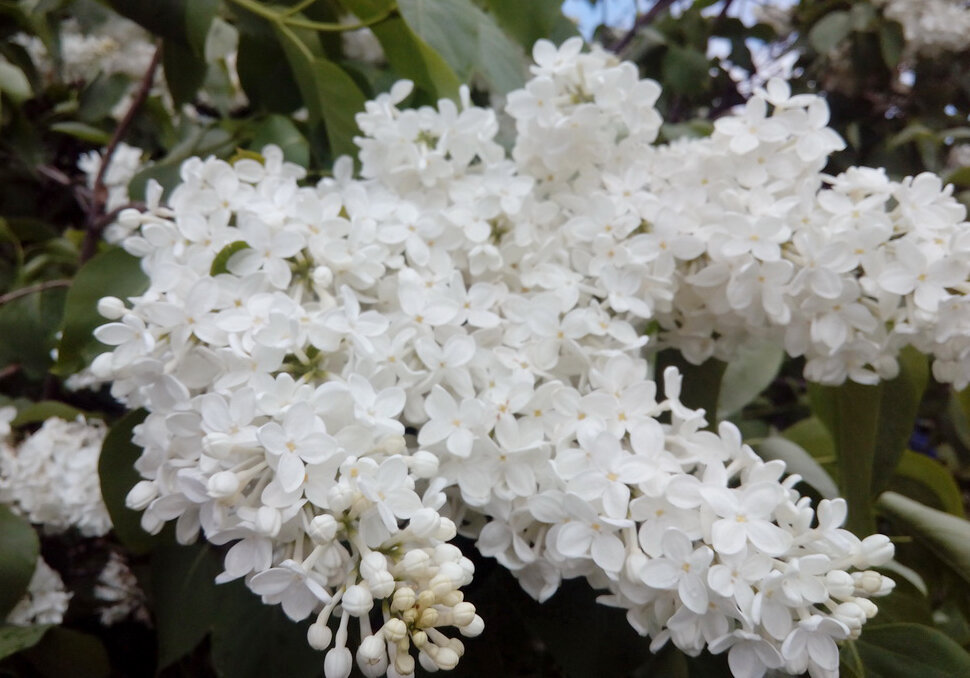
{"points": [[95, 224], [645, 19], [32, 289]]}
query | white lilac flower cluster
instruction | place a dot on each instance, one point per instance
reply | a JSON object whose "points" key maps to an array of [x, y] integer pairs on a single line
{"points": [[931, 27], [45, 601], [338, 376], [51, 478], [126, 161], [119, 591]]}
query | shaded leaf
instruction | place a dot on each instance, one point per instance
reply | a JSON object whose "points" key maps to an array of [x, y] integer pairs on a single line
{"points": [[907, 650], [28, 326], [65, 652], [544, 19], [221, 261], [113, 272], [184, 70], [947, 536], [330, 94], [798, 461], [829, 31], [116, 470], [468, 39], [19, 548], [280, 130], [891, 43], [184, 590], [253, 640], [45, 409], [745, 377], [13, 82], [82, 131], [934, 476], [685, 70], [13, 639]]}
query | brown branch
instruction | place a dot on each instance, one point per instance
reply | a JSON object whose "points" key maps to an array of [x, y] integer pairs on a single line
{"points": [[32, 289], [659, 7], [95, 223]]}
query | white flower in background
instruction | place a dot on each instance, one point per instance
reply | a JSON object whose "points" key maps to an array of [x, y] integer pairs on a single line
{"points": [[45, 601], [51, 478], [121, 595], [931, 26], [126, 161]]}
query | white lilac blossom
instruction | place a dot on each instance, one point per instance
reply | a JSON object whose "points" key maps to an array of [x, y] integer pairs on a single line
{"points": [[51, 478], [931, 26], [454, 341], [45, 600], [125, 162], [121, 595]]}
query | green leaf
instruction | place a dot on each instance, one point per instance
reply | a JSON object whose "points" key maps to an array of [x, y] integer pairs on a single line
{"points": [[198, 18], [116, 470], [798, 461], [265, 76], [685, 70], [468, 39], [113, 272], [280, 130], [13, 639], [947, 536], [165, 18], [184, 590], [14, 83], [28, 326], [829, 31], [544, 19], [891, 43], [811, 435], [907, 650], [413, 59], [100, 97], [870, 426], [82, 131], [934, 476], [745, 377], [329, 93], [253, 640], [19, 548], [906, 603], [64, 652], [220, 263], [45, 409], [184, 69]]}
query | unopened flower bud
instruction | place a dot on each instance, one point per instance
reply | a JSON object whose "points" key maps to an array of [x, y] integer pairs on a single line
{"points": [[868, 582], [414, 563], [268, 521], [141, 495], [381, 584], [876, 550], [103, 366], [319, 636], [372, 656], [423, 464], [424, 523], [474, 628], [357, 600], [428, 618], [340, 497], [446, 658], [111, 308], [372, 563], [446, 529], [869, 607], [322, 276], [419, 638], [404, 599], [338, 663], [462, 614], [394, 444], [840, 584], [395, 630], [322, 529], [447, 553], [223, 485], [850, 614]]}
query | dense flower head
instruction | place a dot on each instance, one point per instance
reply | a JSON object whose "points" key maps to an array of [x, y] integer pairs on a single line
{"points": [[340, 376], [45, 600], [51, 477]]}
